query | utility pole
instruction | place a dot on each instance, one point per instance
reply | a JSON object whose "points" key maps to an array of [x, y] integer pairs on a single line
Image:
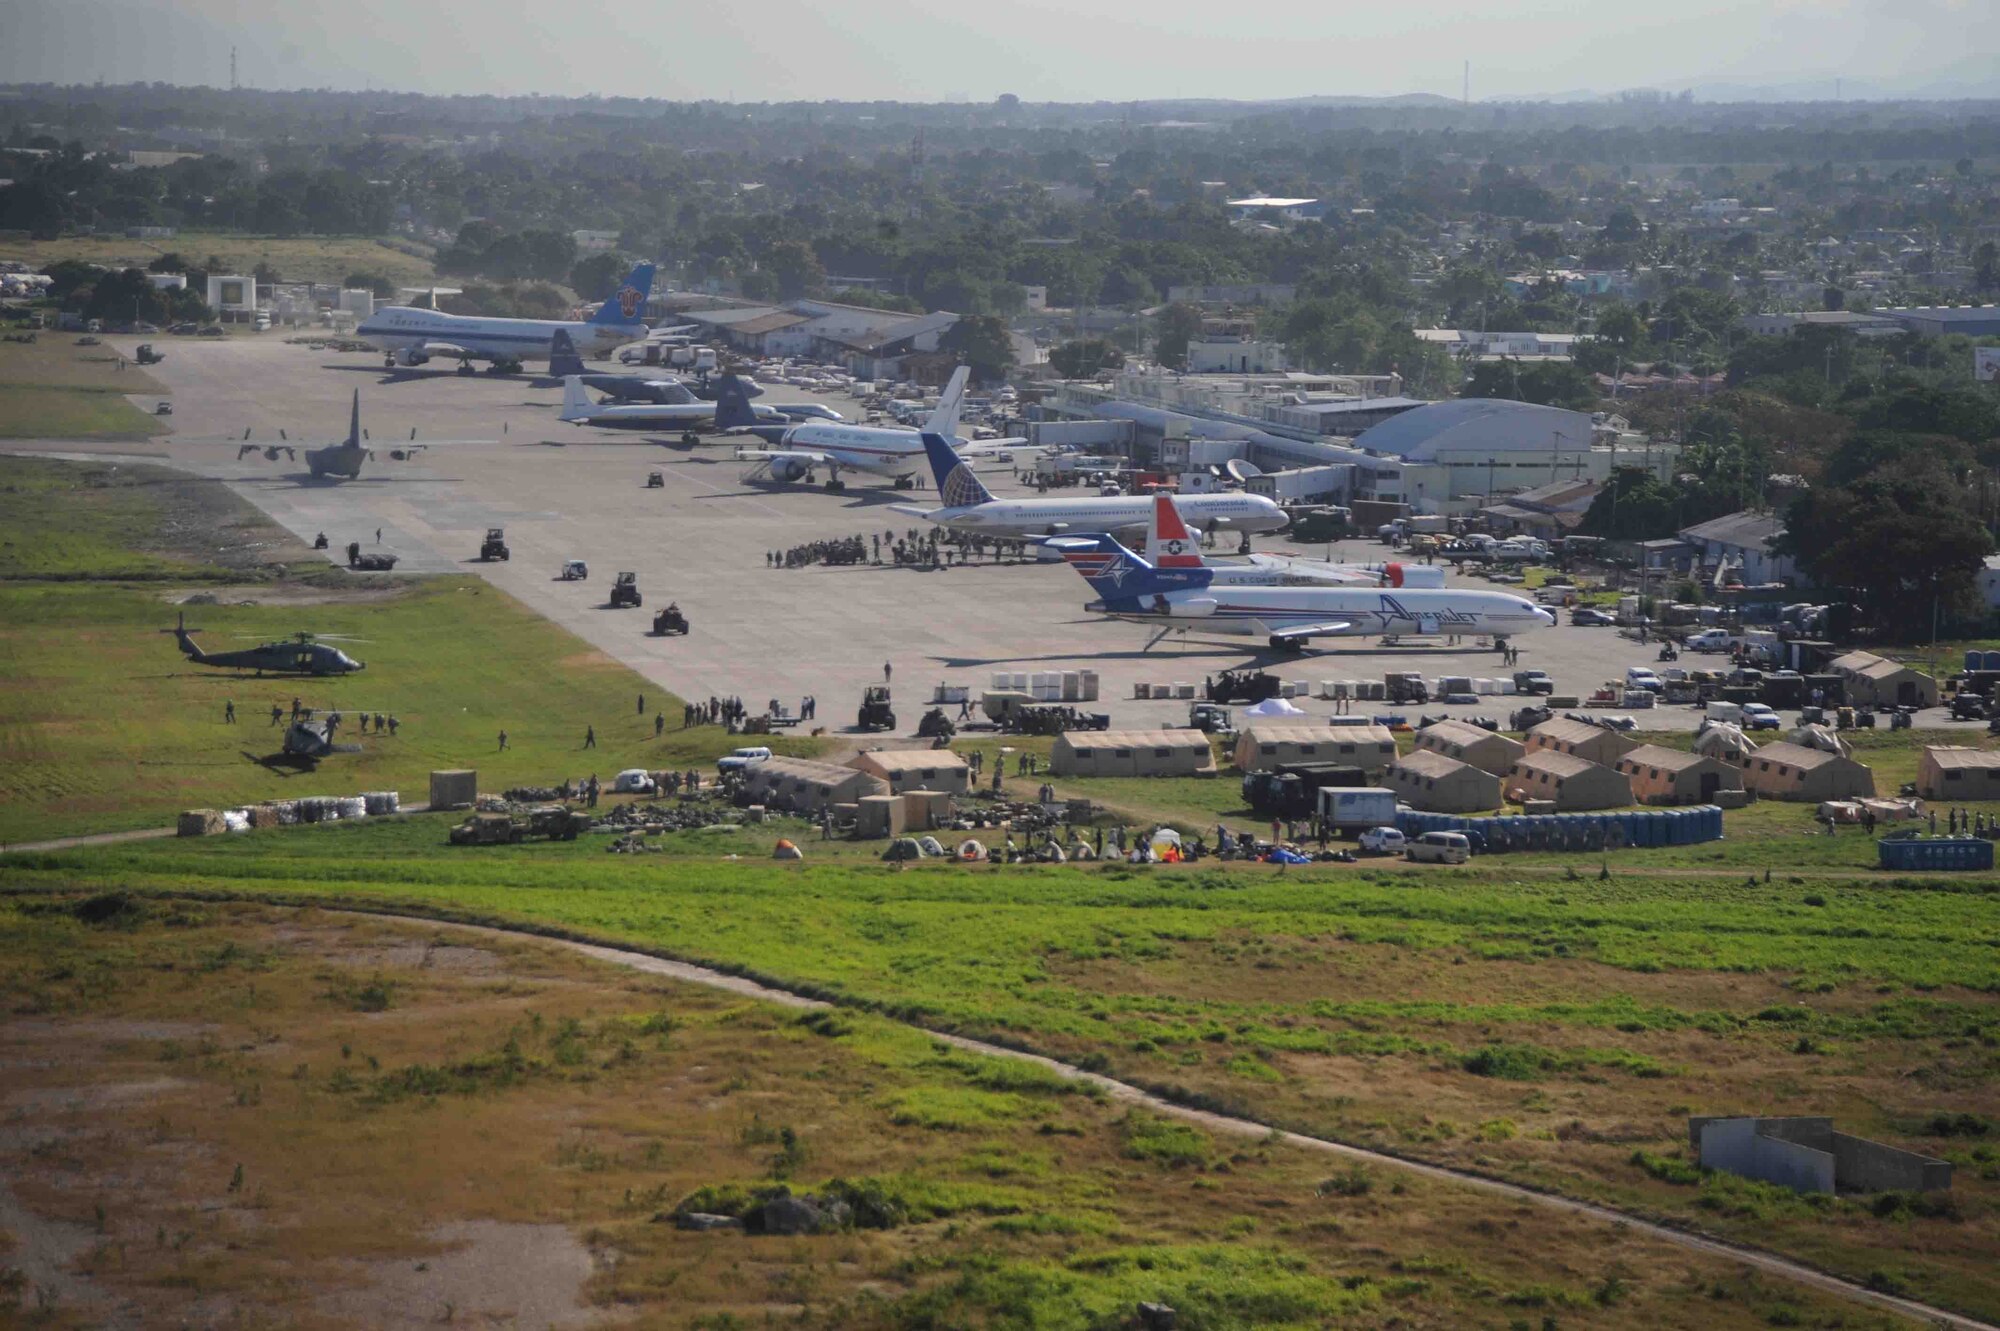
{"points": [[233, 85]]}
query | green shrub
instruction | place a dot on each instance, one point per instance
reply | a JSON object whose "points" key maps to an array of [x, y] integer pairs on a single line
{"points": [[1164, 1141]]}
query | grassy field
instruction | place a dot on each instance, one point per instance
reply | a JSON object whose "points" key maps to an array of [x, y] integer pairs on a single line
{"points": [[343, 1121], [296, 259], [53, 389], [1554, 1032], [103, 724]]}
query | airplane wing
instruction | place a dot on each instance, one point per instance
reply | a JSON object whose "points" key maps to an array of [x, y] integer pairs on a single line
{"points": [[1290, 632], [988, 447], [784, 455]]}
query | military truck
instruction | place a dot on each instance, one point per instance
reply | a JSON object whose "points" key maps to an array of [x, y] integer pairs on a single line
{"points": [[875, 711], [1291, 790], [552, 821], [494, 546], [625, 591], [1248, 686], [1406, 686]]}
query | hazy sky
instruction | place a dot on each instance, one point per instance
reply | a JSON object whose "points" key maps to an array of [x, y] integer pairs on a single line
{"points": [[1059, 50]]}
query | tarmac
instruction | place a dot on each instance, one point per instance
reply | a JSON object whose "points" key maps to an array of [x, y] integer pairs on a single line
{"points": [[500, 458]]}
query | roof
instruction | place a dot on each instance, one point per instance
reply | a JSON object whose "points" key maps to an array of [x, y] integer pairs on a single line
{"points": [[806, 769], [1667, 760], [1459, 732], [1134, 739], [910, 760], [1954, 755], [1556, 494], [734, 316], [1568, 731], [1360, 406], [1945, 313], [1266, 201], [1870, 666], [1292, 732], [1750, 531], [1486, 426], [1795, 755], [769, 323], [1435, 766], [878, 335], [1560, 765]]}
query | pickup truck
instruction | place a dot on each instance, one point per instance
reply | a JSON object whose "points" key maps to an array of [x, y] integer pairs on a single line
{"points": [[738, 759], [1533, 682]]}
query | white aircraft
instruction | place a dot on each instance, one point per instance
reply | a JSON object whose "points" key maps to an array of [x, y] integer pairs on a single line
{"points": [[969, 506], [1128, 587], [1170, 545], [410, 336], [802, 448]]}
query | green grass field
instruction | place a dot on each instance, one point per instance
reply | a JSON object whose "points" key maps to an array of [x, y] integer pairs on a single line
{"points": [[296, 259], [1551, 1031], [53, 389]]}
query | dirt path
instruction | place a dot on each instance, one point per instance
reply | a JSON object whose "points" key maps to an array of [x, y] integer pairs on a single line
{"points": [[1125, 1093]]}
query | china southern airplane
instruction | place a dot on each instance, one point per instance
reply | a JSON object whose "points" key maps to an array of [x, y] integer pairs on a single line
{"points": [[410, 336], [1128, 587], [1170, 545], [969, 506], [800, 449]]}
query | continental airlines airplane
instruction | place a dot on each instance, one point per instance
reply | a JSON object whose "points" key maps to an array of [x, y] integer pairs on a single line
{"points": [[1170, 545], [1128, 587], [800, 449], [969, 506], [410, 336]]}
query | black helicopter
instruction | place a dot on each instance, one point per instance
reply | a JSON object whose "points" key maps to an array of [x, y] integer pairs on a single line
{"points": [[301, 654]]}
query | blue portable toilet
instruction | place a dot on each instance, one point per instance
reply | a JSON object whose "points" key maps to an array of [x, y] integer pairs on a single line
{"points": [[1676, 827]]}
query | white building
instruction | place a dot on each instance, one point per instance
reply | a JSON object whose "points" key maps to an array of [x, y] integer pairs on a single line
{"points": [[1743, 541]]}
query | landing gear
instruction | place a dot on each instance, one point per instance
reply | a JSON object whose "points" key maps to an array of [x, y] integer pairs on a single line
{"points": [[389, 362], [689, 439], [906, 482], [465, 367], [834, 485], [1244, 548], [1290, 646]]}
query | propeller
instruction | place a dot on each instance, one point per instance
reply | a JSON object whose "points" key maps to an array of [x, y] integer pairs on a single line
{"points": [[180, 625]]}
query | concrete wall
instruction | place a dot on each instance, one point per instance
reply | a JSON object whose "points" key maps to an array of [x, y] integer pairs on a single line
{"points": [[1806, 1154], [1872, 1167], [1735, 1146]]}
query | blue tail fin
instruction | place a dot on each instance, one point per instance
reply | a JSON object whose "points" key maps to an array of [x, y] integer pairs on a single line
{"points": [[957, 486], [732, 404], [627, 303], [562, 355], [1116, 574]]}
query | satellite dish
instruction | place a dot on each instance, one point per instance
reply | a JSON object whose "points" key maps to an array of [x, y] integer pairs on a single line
{"points": [[1241, 469]]}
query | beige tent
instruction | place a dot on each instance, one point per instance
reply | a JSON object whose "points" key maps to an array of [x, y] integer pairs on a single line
{"points": [[1949, 772], [1428, 780], [805, 786], [1579, 739], [1132, 753], [1671, 776], [1264, 745], [1788, 772], [1484, 749], [916, 769], [1876, 681], [1573, 783], [1724, 740]]}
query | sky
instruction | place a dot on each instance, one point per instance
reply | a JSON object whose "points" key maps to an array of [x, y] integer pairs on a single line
{"points": [[1040, 50]]}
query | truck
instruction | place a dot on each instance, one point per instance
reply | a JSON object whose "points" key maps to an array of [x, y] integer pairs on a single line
{"points": [[738, 759], [875, 712], [625, 591], [554, 822], [494, 546], [1533, 682], [1346, 810], [1291, 790], [1406, 686], [1210, 719]]}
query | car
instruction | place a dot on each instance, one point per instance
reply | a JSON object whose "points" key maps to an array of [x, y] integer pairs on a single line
{"points": [[738, 759], [143, 327], [633, 781], [1587, 617], [214, 330], [1756, 716], [575, 570], [1383, 841], [1439, 848], [1642, 677], [183, 328], [1709, 640]]}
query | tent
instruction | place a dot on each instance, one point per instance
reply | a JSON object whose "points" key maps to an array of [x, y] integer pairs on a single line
{"points": [[785, 850], [971, 851], [1821, 738], [1274, 707], [1724, 740]]}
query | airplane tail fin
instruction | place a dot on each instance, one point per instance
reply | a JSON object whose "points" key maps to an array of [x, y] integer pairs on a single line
{"points": [[1169, 544], [354, 422], [627, 303], [944, 420], [576, 402], [732, 404], [563, 359], [1116, 574], [957, 486], [188, 646]]}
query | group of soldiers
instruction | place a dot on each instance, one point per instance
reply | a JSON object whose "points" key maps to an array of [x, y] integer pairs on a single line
{"points": [[839, 550], [933, 548], [716, 711], [371, 722]]}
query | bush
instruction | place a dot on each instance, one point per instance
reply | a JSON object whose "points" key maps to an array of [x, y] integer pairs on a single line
{"points": [[1667, 1169], [1356, 1182]]}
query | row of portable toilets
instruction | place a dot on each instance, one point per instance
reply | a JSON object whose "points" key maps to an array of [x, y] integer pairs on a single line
{"points": [[1573, 831], [1982, 660]]}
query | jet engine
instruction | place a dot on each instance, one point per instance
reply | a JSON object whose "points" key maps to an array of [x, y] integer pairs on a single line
{"points": [[410, 356], [789, 469]]}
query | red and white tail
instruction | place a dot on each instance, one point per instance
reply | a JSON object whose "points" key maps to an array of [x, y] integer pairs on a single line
{"points": [[1169, 544]]}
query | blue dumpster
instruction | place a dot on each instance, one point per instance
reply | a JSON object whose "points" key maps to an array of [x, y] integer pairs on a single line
{"points": [[1946, 854]]}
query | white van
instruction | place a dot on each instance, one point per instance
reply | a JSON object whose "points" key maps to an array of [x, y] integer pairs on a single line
{"points": [[1724, 712], [1439, 848]]}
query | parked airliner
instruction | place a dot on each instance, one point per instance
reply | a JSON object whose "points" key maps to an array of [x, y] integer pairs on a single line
{"points": [[1170, 545], [969, 506], [801, 449], [410, 336]]}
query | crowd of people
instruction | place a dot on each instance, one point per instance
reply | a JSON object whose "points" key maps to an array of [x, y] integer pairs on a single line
{"points": [[936, 547]]}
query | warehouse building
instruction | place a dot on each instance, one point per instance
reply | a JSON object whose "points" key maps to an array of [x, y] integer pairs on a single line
{"points": [[1672, 776], [1876, 681], [1484, 749], [1574, 783], [1132, 753], [1790, 772], [1951, 772], [1938, 320], [1430, 781], [806, 786], [1579, 739], [916, 769], [1263, 745]]}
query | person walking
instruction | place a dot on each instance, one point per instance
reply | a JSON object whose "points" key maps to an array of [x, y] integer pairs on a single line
{"points": [[503, 741], [277, 713], [228, 711], [590, 737], [642, 704], [393, 723], [886, 671]]}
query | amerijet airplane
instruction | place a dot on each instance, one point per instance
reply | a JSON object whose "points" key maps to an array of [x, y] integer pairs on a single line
{"points": [[1170, 545], [800, 449], [408, 335], [1129, 587]]}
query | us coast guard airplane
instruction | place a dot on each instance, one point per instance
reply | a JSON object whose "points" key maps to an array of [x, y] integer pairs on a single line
{"points": [[408, 335]]}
